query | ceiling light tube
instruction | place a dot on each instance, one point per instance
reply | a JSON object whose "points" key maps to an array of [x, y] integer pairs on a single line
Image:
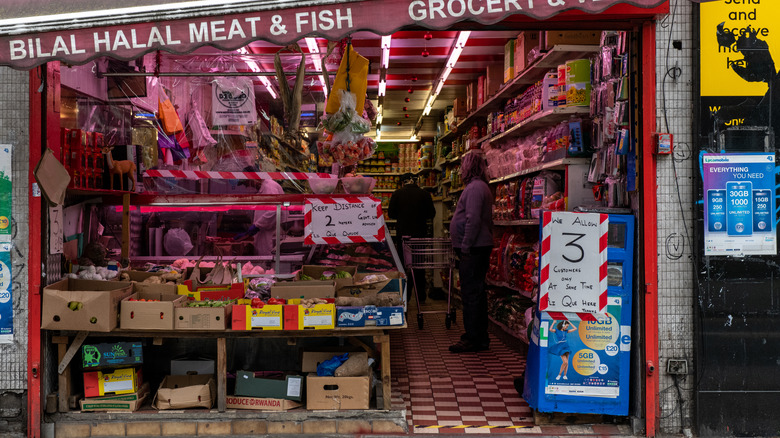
{"points": [[382, 88], [386, 41], [379, 118]]}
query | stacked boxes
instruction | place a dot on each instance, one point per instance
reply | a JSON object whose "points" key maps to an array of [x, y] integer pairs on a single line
{"points": [[82, 156], [112, 376]]}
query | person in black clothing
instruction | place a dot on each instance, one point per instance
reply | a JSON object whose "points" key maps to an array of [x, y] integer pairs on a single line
{"points": [[412, 207]]}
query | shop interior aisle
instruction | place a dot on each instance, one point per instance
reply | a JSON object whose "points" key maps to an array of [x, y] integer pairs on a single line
{"points": [[444, 392]]}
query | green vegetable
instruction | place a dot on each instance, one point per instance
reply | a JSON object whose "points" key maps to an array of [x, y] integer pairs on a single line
{"points": [[305, 277], [343, 274]]}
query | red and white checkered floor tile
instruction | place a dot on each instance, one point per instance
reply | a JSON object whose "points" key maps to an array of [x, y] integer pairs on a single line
{"points": [[448, 393]]}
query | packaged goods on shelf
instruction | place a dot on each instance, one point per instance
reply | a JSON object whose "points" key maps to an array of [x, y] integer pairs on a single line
{"points": [[112, 382], [116, 403]]}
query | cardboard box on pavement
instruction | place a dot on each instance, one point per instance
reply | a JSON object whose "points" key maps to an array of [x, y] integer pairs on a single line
{"points": [[260, 403], [181, 392], [334, 393], [116, 403], [291, 388], [83, 305]]}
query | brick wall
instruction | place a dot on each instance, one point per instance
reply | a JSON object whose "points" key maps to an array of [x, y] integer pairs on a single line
{"points": [[674, 100]]}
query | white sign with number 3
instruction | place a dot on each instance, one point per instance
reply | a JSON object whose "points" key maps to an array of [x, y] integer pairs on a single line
{"points": [[573, 262]]}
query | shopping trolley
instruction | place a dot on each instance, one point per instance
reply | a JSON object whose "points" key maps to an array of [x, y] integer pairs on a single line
{"points": [[430, 253]]}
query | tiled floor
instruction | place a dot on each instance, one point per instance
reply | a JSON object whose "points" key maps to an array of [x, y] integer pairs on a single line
{"points": [[445, 393]]}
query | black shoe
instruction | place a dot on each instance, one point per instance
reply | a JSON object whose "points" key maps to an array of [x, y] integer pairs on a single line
{"points": [[438, 294], [467, 346]]}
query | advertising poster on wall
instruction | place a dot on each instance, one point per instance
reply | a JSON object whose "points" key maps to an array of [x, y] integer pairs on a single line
{"points": [[5, 193], [582, 357], [739, 41], [6, 303], [739, 204]]}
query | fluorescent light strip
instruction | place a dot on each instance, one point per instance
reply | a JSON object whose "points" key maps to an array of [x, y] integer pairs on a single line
{"points": [[256, 68], [386, 42], [382, 88], [314, 49], [460, 44]]}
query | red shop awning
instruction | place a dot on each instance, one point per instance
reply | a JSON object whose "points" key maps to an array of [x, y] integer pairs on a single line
{"points": [[81, 37]]}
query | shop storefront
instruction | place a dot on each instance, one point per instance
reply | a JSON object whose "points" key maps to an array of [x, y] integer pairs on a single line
{"points": [[98, 76]]}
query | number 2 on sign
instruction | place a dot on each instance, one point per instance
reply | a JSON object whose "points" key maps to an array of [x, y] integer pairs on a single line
{"points": [[330, 221], [573, 243]]}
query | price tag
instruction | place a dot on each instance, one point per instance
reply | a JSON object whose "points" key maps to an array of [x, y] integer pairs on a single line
{"points": [[573, 266], [349, 219]]}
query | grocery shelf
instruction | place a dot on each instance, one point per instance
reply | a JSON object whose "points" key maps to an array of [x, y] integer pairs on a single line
{"points": [[283, 258], [521, 336], [533, 73], [522, 292], [429, 187], [516, 222], [541, 120], [384, 190], [558, 164]]}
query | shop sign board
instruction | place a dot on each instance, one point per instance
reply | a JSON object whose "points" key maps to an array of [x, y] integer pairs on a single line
{"points": [[739, 204], [591, 351], [348, 219], [573, 263], [26, 44]]}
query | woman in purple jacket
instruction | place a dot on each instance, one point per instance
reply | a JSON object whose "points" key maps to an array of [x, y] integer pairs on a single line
{"points": [[471, 231]]}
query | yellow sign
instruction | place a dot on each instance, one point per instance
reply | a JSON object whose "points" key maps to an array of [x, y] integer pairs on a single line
{"points": [[720, 55]]}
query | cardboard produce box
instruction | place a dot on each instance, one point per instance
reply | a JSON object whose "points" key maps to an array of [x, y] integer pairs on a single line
{"points": [[395, 283], [355, 316], [389, 316], [108, 382], [494, 79], [553, 38], [303, 289], [116, 403], [525, 42], [316, 317], [260, 403], [218, 292], [315, 272], [184, 366], [112, 354], [83, 305], [181, 392], [291, 388], [268, 317], [509, 61], [202, 318], [149, 315], [334, 393]]}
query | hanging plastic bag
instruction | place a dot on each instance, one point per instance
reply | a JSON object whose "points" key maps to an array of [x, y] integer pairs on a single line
{"points": [[355, 68], [177, 242], [201, 137], [144, 134], [344, 139], [169, 119], [328, 367], [233, 101]]}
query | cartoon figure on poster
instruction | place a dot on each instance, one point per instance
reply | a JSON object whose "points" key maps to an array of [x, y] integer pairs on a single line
{"points": [[560, 346]]}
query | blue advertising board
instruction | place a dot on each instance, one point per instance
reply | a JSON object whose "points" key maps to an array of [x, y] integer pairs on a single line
{"points": [[6, 303], [739, 204], [583, 366]]}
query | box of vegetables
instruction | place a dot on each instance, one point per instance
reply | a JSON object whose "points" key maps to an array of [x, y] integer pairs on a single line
{"points": [[342, 275], [203, 315]]}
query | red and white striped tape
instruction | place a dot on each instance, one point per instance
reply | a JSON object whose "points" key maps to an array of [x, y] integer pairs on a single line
{"points": [[372, 235], [544, 271], [197, 174]]}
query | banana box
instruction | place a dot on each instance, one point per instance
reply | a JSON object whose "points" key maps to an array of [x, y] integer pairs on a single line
{"points": [[268, 317], [118, 381], [315, 317]]}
